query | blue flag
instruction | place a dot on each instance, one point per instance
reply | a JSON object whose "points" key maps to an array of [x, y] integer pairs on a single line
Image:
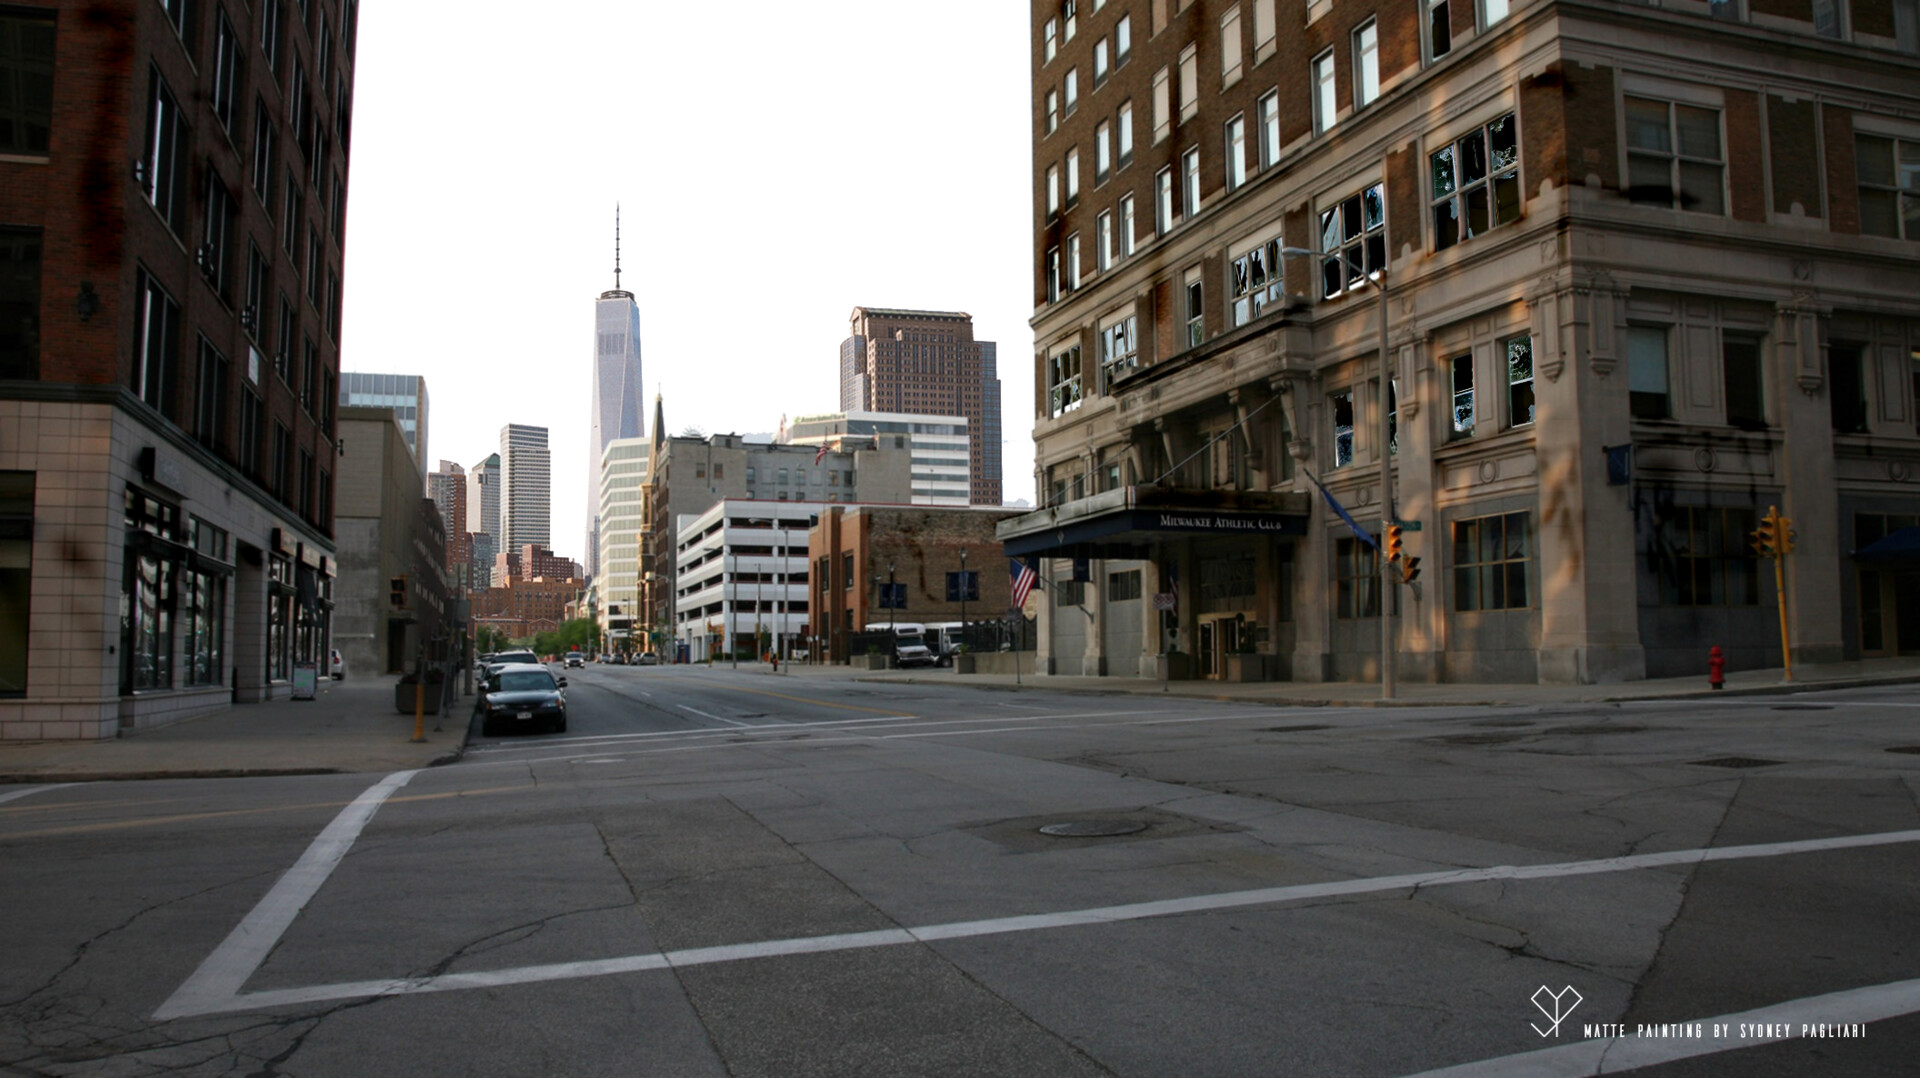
{"points": [[1341, 510]]}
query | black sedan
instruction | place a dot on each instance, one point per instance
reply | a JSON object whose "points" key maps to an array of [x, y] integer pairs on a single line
{"points": [[520, 697]]}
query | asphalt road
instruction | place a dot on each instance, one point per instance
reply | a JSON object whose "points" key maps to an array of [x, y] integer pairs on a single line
{"points": [[735, 874]]}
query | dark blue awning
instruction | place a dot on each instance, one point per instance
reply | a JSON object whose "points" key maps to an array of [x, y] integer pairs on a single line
{"points": [[1898, 547]]}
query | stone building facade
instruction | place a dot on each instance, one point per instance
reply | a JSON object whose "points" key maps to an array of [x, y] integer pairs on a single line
{"points": [[1641, 272], [388, 533], [851, 550]]}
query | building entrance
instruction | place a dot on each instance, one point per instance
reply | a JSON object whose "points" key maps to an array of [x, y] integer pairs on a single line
{"points": [[1219, 638], [1889, 613]]}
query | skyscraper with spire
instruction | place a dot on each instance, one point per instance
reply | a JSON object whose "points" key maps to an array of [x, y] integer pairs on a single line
{"points": [[616, 388]]}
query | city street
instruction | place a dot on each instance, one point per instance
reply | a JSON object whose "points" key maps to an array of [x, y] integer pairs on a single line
{"points": [[731, 873]]}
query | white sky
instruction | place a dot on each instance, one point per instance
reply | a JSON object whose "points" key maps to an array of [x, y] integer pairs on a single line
{"points": [[777, 165]]}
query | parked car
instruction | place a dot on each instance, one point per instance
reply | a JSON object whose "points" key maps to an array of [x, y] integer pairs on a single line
{"points": [[648, 658], [505, 658], [522, 696], [336, 665], [912, 655], [574, 659]]}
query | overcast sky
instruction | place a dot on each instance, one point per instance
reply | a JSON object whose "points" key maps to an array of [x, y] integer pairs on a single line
{"points": [[777, 165]]}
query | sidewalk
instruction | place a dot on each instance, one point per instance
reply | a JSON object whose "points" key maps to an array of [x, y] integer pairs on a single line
{"points": [[348, 726], [1842, 675]]}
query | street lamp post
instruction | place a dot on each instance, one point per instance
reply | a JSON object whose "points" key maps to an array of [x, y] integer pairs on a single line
{"points": [[893, 608], [733, 642], [964, 580], [1386, 469]]}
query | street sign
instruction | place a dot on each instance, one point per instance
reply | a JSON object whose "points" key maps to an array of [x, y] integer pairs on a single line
{"points": [[1166, 600]]}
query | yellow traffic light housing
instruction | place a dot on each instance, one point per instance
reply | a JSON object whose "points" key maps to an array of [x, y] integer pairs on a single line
{"points": [[1409, 570], [1396, 542], [1765, 538]]}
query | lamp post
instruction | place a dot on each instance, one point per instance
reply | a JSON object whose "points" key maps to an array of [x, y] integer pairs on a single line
{"points": [[963, 596], [733, 643], [1386, 468], [893, 608]]}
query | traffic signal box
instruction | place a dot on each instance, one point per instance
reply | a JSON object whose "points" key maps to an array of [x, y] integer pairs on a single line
{"points": [[1774, 537], [397, 591], [1397, 552]]}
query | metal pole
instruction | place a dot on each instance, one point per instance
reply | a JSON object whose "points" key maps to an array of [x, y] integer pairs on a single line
{"points": [[1386, 498], [893, 609], [963, 596], [726, 604]]}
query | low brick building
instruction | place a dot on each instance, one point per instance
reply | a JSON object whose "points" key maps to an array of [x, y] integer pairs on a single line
{"points": [[526, 607], [852, 548]]}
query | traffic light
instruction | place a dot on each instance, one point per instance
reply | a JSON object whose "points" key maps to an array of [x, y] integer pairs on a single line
{"points": [[1396, 542], [1764, 538], [1783, 534], [1409, 570], [397, 591], [1774, 537]]}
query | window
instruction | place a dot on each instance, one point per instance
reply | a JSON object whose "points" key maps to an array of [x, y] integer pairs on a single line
{"points": [[1162, 106], [1122, 41], [161, 178], [1119, 351], [1264, 24], [1847, 393], [1063, 381], [1916, 389], [1826, 18], [179, 15], [26, 84], [1050, 41], [1190, 189], [1231, 50], [149, 622], [1492, 11], [1740, 370], [1236, 152], [1366, 64], [226, 71], [1163, 201], [1053, 274], [1353, 234], [1125, 226], [1189, 83], [1519, 353], [1073, 262], [1461, 380], [315, 254], [281, 478], [1100, 67], [1053, 191], [1703, 556], [1073, 178], [1103, 245], [1476, 183], [269, 32], [846, 573], [299, 114], [303, 485], [1889, 174], [1357, 579], [247, 451], [1490, 556], [156, 344], [963, 586], [1256, 282], [1124, 135], [1196, 310], [1269, 128], [16, 578], [1071, 97], [264, 134], [1341, 406], [309, 368], [1325, 105], [1067, 10], [293, 209], [1439, 28], [254, 303], [1647, 389], [1674, 157], [20, 259], [289, 335], [1102, 153], [210, 396], [1122, 587], [1053, 111], [215, 237]]}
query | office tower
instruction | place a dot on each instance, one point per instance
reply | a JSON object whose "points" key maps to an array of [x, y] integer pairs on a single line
{"points": [[623, 479], [482, 521], [170, 290], [406, 394], [1568, 294], [447, 486], [939, 446], [616, 388], [927, 362], [526, 488]]}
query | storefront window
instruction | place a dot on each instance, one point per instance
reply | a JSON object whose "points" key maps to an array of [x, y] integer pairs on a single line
{"points": [[279, 618], [150, 626], [16, 571]]}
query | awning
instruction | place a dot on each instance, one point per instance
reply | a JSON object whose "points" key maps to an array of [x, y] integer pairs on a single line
{"points": [[1130, 522], [1898, 547]]}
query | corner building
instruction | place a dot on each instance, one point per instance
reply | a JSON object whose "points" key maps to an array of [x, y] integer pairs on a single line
{"points": [[1647, 271], [173, 183]]}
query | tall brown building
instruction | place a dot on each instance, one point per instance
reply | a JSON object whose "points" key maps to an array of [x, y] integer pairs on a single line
{"points": [[927, 362], [173, 180], [1634, 273]]}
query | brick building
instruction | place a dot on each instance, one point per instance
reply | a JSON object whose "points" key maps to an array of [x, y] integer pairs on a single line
{"points": [[533, 560], [927, 362], [448, 488], [1638, 272], [526, 607], [173, 186], [851, 549]]}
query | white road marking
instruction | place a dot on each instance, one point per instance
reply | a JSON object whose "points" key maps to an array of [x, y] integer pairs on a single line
{"points": [[219, 979], [716, 718], [1614, 1055], [31, 790], [1102, 915]]}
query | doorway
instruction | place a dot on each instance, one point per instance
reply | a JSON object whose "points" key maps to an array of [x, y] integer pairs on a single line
{"points": [[1889, 613]]}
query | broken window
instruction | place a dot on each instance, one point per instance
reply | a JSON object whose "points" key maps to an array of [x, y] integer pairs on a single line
{"points": [[1353, 235], [1519, 353], [1342, 406], [1256, 282], [1063, 381], [1462, 380], [1476, 183]]}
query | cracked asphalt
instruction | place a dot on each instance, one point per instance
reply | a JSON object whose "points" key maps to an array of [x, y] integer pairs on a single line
{"points": [[506, 915]]}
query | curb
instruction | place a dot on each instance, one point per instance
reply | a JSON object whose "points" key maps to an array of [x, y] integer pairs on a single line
{"points": [[21, 778]]}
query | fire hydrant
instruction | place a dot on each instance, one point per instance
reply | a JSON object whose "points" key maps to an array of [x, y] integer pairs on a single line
{"points": [[1716, 668]]}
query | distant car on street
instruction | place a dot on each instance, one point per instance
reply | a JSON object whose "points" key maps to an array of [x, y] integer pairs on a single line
{"points": [[575, 659], [648, 658], [522, 696], [336, 666]]}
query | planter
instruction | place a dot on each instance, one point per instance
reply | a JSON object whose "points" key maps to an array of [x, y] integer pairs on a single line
{"points": [[966, 663], [403, 697], [1252, 667], [1174, 666], [875, 662]]}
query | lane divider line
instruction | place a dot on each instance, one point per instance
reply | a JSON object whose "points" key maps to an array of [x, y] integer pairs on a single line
{"points": [[1102, 915], [220, 977], [711, 715], [31, 790]]}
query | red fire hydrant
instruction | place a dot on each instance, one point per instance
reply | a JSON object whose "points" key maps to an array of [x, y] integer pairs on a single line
{"points": [[1716, 668]]}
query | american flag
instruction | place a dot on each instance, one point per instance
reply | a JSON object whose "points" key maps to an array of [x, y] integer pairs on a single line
{"points": [[1023, 581], [821, 453]]}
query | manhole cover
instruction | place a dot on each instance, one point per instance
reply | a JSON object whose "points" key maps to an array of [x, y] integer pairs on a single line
{"points": [[1734, 761], [1911, 750], [1482, 739], [1801, 707], [1092, 828], [1594, 731], [1300, 728]]}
